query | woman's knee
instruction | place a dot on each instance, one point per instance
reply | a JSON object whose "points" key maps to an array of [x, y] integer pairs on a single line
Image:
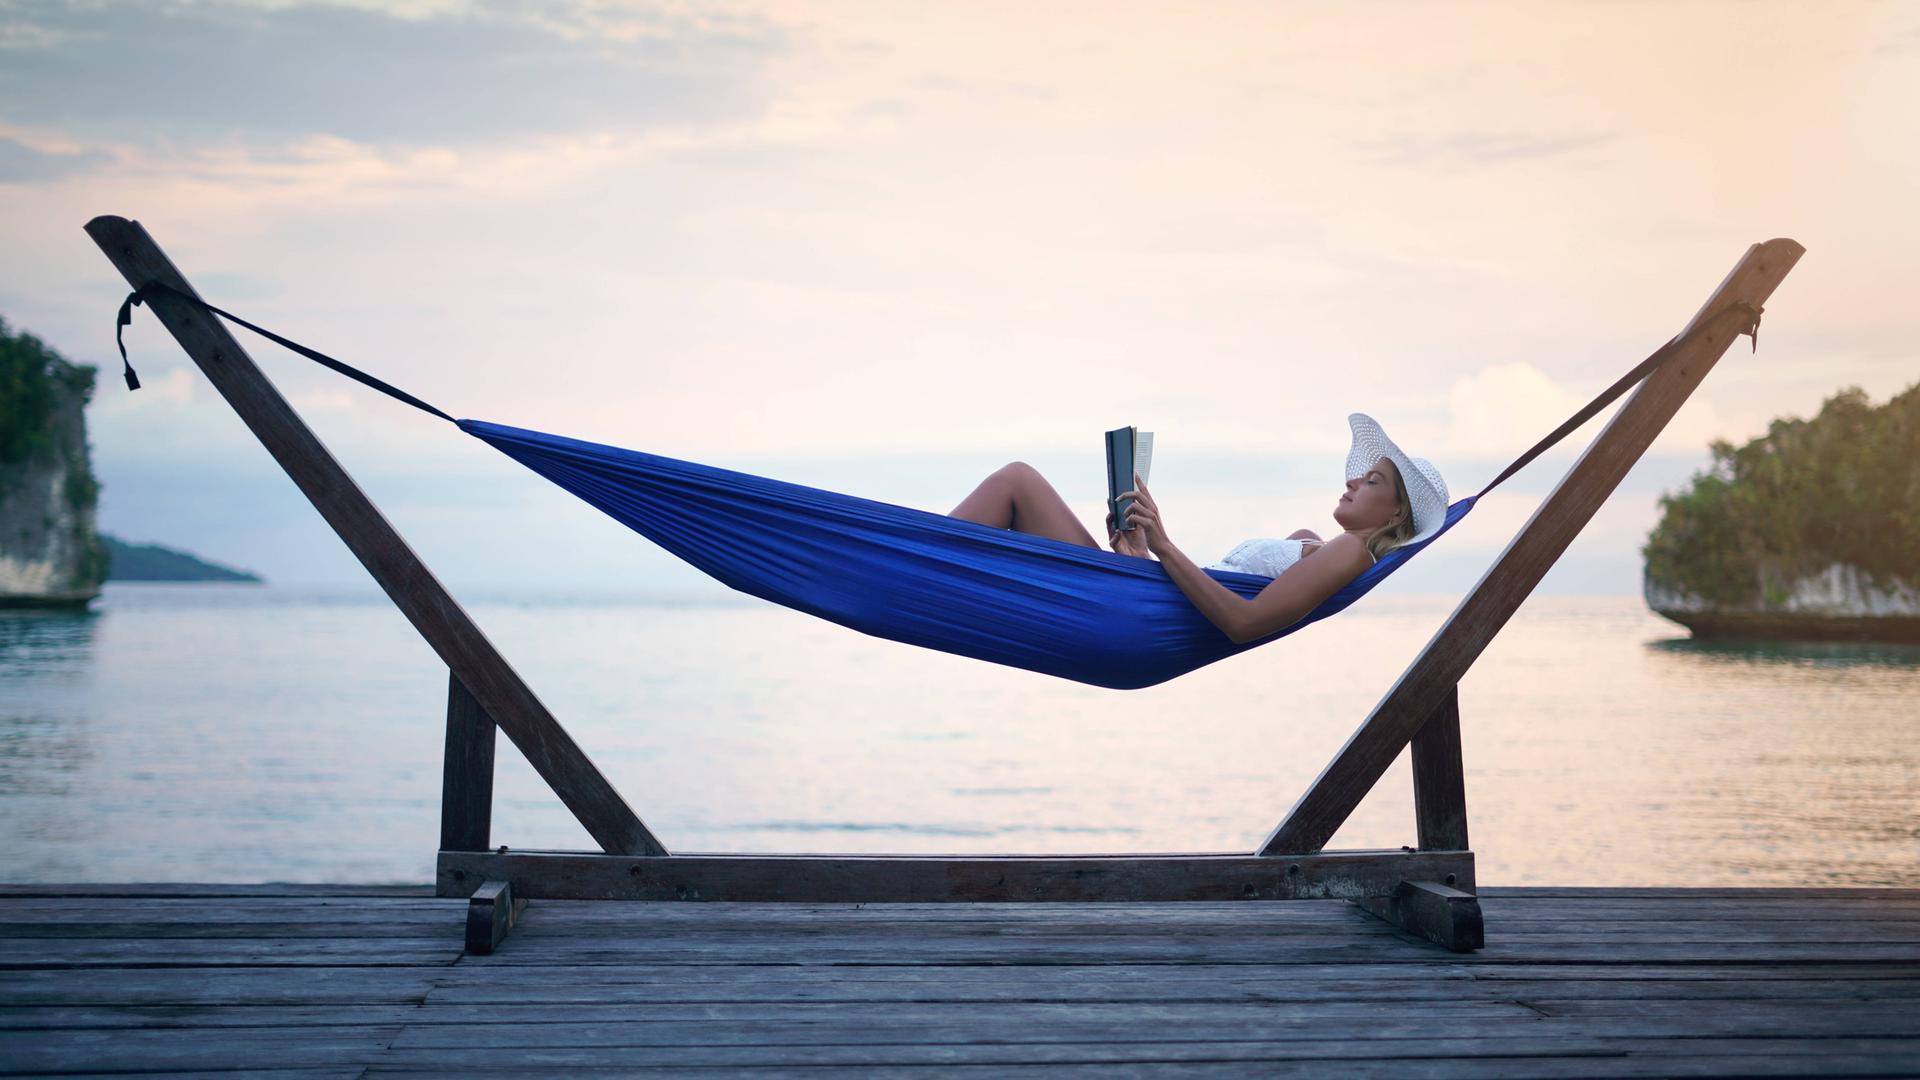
{"points": [[1018, 472]]}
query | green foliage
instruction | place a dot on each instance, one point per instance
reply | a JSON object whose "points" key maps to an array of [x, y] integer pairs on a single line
{"points": [[1842, 487], [93, 565], [31, 378]]}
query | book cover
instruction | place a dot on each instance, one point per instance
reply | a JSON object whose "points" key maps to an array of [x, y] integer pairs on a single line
{"points": [[1129, 451]]}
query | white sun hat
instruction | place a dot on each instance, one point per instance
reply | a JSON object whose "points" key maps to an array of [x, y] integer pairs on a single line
{"points": [[1425, 489]]}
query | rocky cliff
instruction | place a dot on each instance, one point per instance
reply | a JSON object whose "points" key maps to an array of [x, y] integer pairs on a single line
{"points": [[50, 554], [1840, 603]]}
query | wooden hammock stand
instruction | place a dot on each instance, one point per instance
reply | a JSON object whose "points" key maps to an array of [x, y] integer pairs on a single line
{"points": [[1427, 890]]}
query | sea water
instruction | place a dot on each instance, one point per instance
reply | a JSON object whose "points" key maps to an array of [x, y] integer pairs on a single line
{"points": [[252, 733]]}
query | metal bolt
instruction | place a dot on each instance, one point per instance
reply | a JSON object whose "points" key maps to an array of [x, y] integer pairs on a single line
{"points": [[1293, 868], [1451, 878]]}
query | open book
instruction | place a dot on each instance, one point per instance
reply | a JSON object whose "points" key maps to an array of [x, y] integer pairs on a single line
{"points": [[1129, 451]]}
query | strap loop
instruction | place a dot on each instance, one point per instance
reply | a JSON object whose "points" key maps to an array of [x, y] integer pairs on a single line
{"points": [[145, 291], [1751, 325]]}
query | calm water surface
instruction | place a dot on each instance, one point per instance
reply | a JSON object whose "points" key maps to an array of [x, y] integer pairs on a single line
{"points": [[241, 733]]}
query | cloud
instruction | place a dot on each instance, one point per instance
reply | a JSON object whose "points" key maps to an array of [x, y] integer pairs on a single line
{"points": [[155, 74], [1502, 409], [20, 163], [1474, 148]]}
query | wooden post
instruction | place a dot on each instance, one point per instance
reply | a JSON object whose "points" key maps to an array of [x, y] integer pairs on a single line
{"points": [[1439, 779], [408, 583], [1357, 767], [466, 775]]}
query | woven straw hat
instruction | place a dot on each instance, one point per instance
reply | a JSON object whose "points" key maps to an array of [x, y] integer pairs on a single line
{"points": [[1425, 489]]}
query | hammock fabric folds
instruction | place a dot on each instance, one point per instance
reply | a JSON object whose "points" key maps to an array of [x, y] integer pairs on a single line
{"points": [[908, 575]]}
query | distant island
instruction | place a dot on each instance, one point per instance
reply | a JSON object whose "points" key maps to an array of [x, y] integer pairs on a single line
{"points": [[151, 562], [51, 554], [1809, 532]]}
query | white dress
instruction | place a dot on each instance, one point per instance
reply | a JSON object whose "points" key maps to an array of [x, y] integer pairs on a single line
{"points": [[1267, 558]]}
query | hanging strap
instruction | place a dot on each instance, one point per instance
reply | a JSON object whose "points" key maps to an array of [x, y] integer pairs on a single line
{"points": [[139, 295], [1748, 314], [1750, 325]]}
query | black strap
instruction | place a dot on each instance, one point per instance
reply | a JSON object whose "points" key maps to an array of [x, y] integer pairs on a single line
{"points": [[140, 294], [1750, 317]]}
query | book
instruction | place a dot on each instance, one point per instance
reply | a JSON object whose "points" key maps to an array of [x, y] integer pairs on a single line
{"points": [[1129, 451]]}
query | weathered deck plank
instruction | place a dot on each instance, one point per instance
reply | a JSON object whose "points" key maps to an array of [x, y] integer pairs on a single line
{"points": [[297, 981]]}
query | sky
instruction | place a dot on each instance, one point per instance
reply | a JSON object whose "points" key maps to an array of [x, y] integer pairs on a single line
{"points": [[886, 248]]}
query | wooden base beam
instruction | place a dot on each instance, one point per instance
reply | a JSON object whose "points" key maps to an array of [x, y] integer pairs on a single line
{"points": [[491, 912], [567, 875], [1437, 912]]}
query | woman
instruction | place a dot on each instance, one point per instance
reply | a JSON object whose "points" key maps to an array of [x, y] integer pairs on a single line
{"points": [[1391, 500]]}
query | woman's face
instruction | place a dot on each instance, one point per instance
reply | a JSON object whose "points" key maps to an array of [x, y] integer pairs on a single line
{"points": [[1370, 502]]}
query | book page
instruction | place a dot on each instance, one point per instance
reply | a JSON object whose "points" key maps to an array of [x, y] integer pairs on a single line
{"points": [[1143, 456]]}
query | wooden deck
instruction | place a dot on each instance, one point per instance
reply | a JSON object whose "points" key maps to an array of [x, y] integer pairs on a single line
{"points": [[299, 981]]}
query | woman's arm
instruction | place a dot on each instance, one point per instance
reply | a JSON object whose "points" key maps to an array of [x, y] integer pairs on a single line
{"points": [[1297, 591]]}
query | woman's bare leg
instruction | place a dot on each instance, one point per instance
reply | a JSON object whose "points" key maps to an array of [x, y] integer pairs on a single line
{"points": [[1017, 497]]}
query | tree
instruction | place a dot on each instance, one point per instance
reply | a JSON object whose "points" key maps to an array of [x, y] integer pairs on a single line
{"points": [[1843, 487]]}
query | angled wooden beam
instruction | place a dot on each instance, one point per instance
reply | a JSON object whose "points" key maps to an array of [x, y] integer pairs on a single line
{"points": [[412, 588], [1353, 771]]}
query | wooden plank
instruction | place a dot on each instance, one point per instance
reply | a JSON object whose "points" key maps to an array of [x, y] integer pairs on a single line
{"points": [[311, 985], [1144, 982], [199, 890], [1314, 1060], [1439, 779], [1354, 770], [936, 878], [441, 621], [1100, 1022], [466, 772], [190, 1048], [34, 955], [564, 1019], [1079, 949]]}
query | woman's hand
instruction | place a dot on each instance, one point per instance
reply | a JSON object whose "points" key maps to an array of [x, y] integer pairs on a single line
{"points": [[1126, 543], [1145, 516]]}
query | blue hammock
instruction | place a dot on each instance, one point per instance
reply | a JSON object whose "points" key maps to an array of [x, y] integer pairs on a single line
{"points": [[907, 575], [1011, 598]]}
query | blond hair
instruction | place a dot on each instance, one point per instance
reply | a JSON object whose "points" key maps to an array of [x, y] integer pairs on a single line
{"points": [[1398, 533]]}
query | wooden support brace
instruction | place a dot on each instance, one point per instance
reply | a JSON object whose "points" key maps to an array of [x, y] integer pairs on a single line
{"points": [[1439, 780], [491, 912], [1439, 913], [446, 627], [835, 879], [466, 778]]}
